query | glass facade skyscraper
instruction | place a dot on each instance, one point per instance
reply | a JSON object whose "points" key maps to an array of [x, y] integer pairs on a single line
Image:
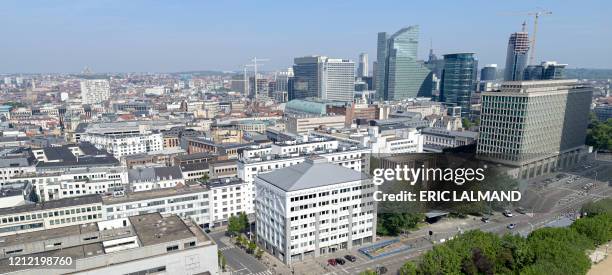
{"points": [[324, 78], [546, 71], [306, 82], [399, 74], [488, 73], [459, 80]]}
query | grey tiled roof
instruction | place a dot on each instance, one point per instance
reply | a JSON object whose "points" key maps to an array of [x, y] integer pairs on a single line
{"points": [[310, 174], [153, 174]]}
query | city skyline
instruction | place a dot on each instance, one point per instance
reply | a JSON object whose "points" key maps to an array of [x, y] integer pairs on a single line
{"points": [[142, 36]]}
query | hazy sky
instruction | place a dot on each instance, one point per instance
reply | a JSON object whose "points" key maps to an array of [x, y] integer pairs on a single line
{"points": [[167, 36]]}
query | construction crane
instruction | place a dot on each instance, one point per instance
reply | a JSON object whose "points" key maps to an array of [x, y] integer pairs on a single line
{"points": [[536, 15], [255, 64]]}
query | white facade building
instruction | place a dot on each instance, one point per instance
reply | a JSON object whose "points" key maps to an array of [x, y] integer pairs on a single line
{"points": [[49, 215], [94, 91], [190, 201], [392, 141], [149, 178], [352, 157], [314, 208], [15, 167], [126, 144], [143, 244], [75, 182]]}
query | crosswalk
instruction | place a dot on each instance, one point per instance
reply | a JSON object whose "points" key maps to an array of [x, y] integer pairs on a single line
{"points": [[267, 272], [226, 248]]}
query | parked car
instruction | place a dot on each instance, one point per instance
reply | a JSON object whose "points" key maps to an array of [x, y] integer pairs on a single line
{"points": [[485, 219], [521, 210], [511, 226], [340, 261], [507, 213], [351, 258], [381, 270], [207, 230], [332, 262]]}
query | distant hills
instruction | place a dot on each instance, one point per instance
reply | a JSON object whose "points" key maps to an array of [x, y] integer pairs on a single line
{"points": [[583, 73]]}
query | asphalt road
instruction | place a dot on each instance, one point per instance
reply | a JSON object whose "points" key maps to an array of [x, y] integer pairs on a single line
{"points": [[239, 262], [556, 200]]}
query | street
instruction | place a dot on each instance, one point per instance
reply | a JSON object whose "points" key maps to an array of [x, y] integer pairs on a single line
{"points": [[547, 200]]}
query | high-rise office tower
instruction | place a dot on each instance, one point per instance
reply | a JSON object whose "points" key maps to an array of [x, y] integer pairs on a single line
{"points": [[545, 71], [534, 126], [94, 90], [488, 77], [488, 72], [374, 74], [517, 55], [262, 87], [282, 79], [237, 84], [324, 78], [399, 74], [362, 69], [281, 86], [459, 80]]}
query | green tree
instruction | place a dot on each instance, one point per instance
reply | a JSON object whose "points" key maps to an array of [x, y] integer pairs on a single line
{"points": [[561, 254], [441, 260], [391, 224], [251, 247], [245, 242], [519, 250], [598, 228], [599, 135], [599, 207], [244, 221], [238, 223], [239, 240], [234, 225], [544, 251], [408, 269], [205, 178], [466, 123], [561, 236]]}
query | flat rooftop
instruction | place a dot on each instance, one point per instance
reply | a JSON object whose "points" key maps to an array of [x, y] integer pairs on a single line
{"points": [[155, 229], [52, 204], [151, 229], [48, 234], [154, 194]]}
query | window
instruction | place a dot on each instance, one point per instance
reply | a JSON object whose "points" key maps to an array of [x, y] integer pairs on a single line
{"points": [[172, 248]]}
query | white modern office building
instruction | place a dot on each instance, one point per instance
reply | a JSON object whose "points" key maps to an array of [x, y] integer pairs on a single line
{"points": [[49, 215], [313, 208], [120, 145], [75, 182], [189, 201], [94, 91], [352, 157]]}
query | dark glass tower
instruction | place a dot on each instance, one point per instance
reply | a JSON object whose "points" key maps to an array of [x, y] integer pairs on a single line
{"points": [[459, 80], [488, 73], [546, 71]]}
